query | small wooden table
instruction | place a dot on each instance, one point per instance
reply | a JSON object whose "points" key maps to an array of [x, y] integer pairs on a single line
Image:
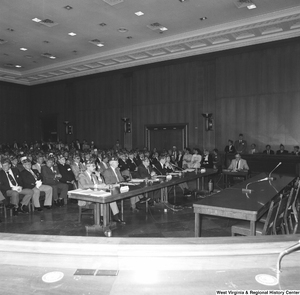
{"points": [[233, 203]]}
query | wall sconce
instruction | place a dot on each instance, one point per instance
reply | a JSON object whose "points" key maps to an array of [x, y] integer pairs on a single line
{"points": [[127, 125], [209, 123]]}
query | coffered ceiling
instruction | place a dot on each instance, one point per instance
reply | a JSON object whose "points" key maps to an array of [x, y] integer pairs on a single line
{"points": [[35, 45]]}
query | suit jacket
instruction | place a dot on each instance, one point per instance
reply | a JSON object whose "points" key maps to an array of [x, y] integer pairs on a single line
{"points": [[280, 152], [131, 165], [179, 160], [4, 182], [144, 172], [230, 149], [66, 173], [207, 162], [84, 180], [266, 152], [110, 177], [37, 167], [241, 147], [49, 175], [123, 165], [242, 165], [159, 169], [28, 179]]}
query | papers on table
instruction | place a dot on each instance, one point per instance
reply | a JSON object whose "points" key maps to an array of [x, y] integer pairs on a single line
{"points": [[89, 192], [188, 170], [174, 173], [130, 183], [136, 180]]}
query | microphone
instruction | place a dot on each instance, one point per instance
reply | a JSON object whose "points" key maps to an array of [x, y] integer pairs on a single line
{"points": [[176, 166], [273, 178], [159, 173], [249, 191]]}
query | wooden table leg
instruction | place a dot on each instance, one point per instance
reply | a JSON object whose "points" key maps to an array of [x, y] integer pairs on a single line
{"points": [[105, 215], [197, 225], [252, 228]]}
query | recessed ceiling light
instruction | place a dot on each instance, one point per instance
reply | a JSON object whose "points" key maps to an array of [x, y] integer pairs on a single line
{"points": [[102, 24], [28, 56], [23, 48], [18, 66], [68, 7], [10, 29], [123, 30], [163, 29], [203, 18], [139, 13], [100, 44], [72, 34], [52, 57], [46, 42], [252, 6], [129, 37], [37, 20]]}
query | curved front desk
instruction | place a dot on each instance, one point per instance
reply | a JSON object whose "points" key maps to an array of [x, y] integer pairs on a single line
{"points": [[32, 264]]}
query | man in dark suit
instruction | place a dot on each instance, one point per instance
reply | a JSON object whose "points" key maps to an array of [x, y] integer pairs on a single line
{"points": [[296, 151], [51, 177], [241, 145], [11, 185], [159, 167], [268, 150], [31, 181], [67, 175], [132, 165], [281, 150]]}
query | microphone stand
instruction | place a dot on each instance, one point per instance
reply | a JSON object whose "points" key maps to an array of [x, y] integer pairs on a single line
{"points": [[272, 178], [249, 191]]}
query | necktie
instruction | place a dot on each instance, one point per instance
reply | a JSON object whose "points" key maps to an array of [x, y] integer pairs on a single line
{"points": [[13, 182], [93, 179], [118, 180], [237, 164]]}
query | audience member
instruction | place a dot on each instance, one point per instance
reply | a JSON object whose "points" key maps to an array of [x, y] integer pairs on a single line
{"points": [[187, 158], [11, 186], [253, 149], [67, 175], [296, 151], [196, 159], [268, 150], [51, 177], [281, 150], [32, 181], [207, 160], [230, 149]]}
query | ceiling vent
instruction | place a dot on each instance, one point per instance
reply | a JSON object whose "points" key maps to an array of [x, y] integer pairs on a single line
{"points": [[113, 2], [242, 3], [48, 23], [48, 55], [2, 41]]}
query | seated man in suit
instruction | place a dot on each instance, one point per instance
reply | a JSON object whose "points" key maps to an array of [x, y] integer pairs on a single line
{"points": [[268, 150], [112, 175], [11, 185], [51, 177], [253, 149], [133, 168], [159, 167], [207, 160], [238, 164], [32, 181], [67, 175], [40, 161], [77, 167], [281, 150], [296, 151]]}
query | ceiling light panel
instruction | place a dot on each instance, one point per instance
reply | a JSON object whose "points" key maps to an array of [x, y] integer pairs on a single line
{"points": [[113, 2], [72, 34], [139, 13]]}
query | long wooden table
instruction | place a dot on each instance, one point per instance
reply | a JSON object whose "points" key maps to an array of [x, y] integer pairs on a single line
{"points": [[233, 203], [136, 190]]}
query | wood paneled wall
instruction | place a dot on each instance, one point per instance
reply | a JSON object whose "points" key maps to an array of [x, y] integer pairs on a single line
{"points": [[258, 94], [15, 123], [253, 90]]}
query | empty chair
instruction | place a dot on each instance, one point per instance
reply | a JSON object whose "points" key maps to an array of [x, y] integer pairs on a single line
{"points": [[278, 225], [291, 217], [266, 228]]}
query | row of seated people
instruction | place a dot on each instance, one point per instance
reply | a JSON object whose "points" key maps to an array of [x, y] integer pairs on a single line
{"points": [[232, 149], [55, 175]]}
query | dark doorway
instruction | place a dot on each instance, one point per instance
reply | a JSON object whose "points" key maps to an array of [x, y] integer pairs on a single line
{"points": [[49, 127], [166, 136]]}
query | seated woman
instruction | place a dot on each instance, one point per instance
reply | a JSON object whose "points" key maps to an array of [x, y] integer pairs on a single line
{"points": [[196, 159], [187, 158]]}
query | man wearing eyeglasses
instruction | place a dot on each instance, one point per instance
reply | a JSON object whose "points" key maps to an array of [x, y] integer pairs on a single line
{"points": [[238, 164]]}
